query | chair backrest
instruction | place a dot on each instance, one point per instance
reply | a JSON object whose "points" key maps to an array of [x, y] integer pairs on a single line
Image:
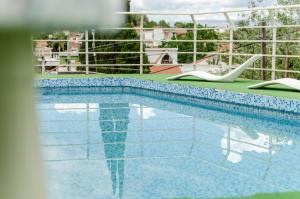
{"points": [[232, 75]]}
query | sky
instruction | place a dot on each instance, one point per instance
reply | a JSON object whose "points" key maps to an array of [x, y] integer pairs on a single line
{"points": [[190, 6]]}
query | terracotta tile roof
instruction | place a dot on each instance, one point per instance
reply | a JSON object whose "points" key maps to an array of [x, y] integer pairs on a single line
{"points": [[165, 70], [41, 44]]}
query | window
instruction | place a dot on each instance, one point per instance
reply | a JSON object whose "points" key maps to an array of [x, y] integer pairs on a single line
{"points": [[166, 59]]}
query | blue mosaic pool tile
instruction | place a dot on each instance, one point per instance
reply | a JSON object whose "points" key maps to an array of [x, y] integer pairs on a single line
{"points": [[268, 102]]}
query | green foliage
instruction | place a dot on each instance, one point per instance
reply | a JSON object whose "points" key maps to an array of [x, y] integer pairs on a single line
{"points": [[150, 24], [59, 46], [135, 21], [282, 17], [163, 24], [288, 195], [181, 24], [132, 21], [115, 47], [189, 46], [40, 36]]}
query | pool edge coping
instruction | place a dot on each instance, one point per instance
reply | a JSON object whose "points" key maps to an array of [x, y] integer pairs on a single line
{"points": [[248, 99]]}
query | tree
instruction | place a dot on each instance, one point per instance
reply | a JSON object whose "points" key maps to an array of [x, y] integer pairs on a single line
{"points": [[289, 16], [189, 46], [40, 36], [59, 46], [128, 34], [163, 24], [128, 5], [280, 17], [180, 24], [150, 24]]}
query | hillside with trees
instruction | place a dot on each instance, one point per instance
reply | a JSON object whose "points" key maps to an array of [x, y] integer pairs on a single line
{"points": [[103, 46], [189, 46], [259, 18]]}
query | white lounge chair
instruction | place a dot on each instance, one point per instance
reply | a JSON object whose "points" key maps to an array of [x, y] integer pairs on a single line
{"points": [[291, 83], [229, 77]]}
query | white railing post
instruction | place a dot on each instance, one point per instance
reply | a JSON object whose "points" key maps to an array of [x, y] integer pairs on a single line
{"points": [[195, 33], [69, 51], [87, 52], [141, 44], [43, 65], [231, 47], [274, 45], [232, 27]]}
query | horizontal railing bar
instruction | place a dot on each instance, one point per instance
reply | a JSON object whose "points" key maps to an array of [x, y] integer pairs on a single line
{"points": [[212, 12], [90, 40], [91, 65], [242, 54], [204, 28], [267, 27], [107, 65], [83, 65], [248, 55], [92, 53], [199, 53], [103, 52], [277, 70], [186, 40]]}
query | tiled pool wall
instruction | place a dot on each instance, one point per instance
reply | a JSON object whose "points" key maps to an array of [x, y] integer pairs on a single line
{"points": [[261, 101]]}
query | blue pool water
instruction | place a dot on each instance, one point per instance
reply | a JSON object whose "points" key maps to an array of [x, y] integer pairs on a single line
{"points": [[126, 143]]}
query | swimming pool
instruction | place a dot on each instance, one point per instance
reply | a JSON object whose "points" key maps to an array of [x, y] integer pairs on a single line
{"points": [[133, 143]]}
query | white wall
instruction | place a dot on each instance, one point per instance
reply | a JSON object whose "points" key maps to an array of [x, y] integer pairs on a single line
{"points": [[155, 55]]}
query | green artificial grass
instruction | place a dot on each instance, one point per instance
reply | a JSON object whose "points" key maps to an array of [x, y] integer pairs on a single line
{"points": [[239, 86], [289, 195]]}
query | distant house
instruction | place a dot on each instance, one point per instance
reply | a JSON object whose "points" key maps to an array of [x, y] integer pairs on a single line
{"points": [[74, 44], [180, 31], [71, 56], [160, 56], [42, 50], [75, 41], [210, 63], [224, 47], [44, 55], [155, 36], [51, 61]]}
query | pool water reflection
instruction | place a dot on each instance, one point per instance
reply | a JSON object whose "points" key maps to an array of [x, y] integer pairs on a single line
{"points": [[115, 144]]}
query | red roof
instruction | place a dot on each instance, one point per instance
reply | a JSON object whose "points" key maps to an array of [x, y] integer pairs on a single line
{"points": [[165, 70]]}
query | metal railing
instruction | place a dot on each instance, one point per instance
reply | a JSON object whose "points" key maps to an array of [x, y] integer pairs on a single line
{"points": [[273, 27]]}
